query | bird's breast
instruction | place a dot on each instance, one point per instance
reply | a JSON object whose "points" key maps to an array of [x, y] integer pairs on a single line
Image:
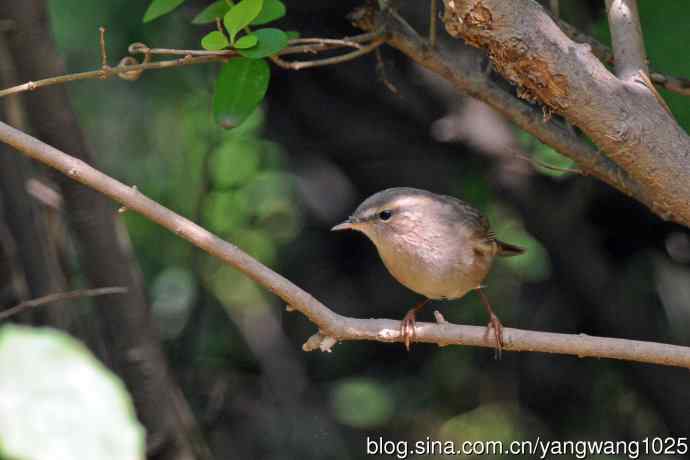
{"points": [[434, 265]]}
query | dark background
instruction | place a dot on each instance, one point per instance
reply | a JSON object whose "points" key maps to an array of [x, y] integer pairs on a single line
{"points": [[325, 139]]}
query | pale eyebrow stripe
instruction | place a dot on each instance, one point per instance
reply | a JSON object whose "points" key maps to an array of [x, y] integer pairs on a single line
{"points": [[393, 209]]}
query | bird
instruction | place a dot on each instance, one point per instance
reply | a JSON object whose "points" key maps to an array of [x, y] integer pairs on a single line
{"points": [[435, 245]]}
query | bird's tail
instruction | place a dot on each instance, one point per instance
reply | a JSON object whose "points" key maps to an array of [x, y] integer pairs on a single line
{"points": [[508, 250]]}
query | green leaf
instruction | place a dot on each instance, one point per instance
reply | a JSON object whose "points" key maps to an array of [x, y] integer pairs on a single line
{"points": [[58, 401], [214, 41], [292, 34], [362, 403], [271, 41], [241, 15], [158, 8], [246, 41], [240, 87], [272, 10], [210, 13]]}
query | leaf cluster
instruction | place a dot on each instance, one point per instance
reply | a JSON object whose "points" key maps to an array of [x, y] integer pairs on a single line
{"points": [[243, 81]]}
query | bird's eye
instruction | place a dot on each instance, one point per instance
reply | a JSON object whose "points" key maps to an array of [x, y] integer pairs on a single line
{"points": [[385, 215]]}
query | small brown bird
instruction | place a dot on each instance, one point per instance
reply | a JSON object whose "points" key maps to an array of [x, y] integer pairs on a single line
{"points": [[435, 245]]}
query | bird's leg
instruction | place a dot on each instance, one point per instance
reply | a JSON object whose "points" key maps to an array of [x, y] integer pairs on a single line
{"points": [[408, 323], [494, 323]]}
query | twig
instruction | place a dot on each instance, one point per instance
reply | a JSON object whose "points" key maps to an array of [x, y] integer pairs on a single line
{"points": [[295, 46], [332, 326], [381, 72], [104, 53], [59, 297], [299, 65], [119, 70], [130, 69], [544, 165], [680, 85], [327, 41]]}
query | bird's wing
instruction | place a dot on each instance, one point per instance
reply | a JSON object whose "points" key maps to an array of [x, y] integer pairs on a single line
{"points": [[474, 221]]}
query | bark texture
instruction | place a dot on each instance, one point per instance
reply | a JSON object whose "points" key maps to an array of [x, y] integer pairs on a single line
{"points": [[622, 116], [104, 248]]}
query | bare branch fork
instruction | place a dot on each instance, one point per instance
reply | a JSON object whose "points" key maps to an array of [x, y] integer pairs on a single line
{"points": [[643, 149], [332, 326]]}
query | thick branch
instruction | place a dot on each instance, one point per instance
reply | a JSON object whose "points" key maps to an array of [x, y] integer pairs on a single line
{"points": [[334, 327], [680, 85], [623, 117], [626, 38], [464, 72]]}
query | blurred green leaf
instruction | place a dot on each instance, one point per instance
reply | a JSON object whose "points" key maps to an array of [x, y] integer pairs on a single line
{"points": [[271, 10], [241, 15], [214, 41], [292, 34], [534, 264], [271, 41], [542, 153], [247, 41], [237, 292], [362, 403], [212, 12], [495, 421], [158, 8], [240, 87], [256, 242], [224, 212], [57, 401], [235, 162]]}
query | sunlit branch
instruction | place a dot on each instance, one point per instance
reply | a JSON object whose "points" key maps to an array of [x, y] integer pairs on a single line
{"points": [[332, 326]]}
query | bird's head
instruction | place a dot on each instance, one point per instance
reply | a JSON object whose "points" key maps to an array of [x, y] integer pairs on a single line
{"points": [[392, 214]]}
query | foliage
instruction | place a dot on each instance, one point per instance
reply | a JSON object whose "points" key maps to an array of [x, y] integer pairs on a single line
{"points": [[57, 401], [158, 8], [241, 85]]}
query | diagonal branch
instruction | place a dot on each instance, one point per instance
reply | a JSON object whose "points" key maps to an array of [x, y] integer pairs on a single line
{"points": [[464, 72], [332, 326], [624, 118]]}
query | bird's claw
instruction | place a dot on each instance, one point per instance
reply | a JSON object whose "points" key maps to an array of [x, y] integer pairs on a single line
{"points": [[407, 328], [495, 323]]}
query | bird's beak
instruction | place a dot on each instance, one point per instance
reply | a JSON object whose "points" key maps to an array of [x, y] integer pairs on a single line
{"points": [[346, 225]]}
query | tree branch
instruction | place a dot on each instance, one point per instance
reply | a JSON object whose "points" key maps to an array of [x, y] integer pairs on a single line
{"points": [[332, 326], [60, 297], [626, 38], [130, 69], [464, 72], [623, 117], [680, 85]]}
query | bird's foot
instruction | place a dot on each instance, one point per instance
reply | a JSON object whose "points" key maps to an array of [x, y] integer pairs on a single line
{"points": [[407, 327], [495, 324]]}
